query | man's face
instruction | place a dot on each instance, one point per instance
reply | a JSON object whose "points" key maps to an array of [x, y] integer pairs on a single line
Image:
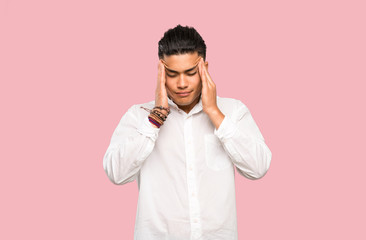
{"points": [[183, 81]]}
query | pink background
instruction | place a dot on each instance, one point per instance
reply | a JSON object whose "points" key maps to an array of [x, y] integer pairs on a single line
{"points": [[70, 69]]}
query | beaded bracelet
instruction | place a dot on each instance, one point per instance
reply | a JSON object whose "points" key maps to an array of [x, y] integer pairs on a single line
{"points": [[159, 114], [152, 114], [157, 119], [163, 108], [158, 107]]}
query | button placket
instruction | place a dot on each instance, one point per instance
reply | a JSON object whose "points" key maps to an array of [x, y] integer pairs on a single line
{"points": [[191, 180]]}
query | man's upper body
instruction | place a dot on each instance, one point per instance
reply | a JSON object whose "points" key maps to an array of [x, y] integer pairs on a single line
{"points": [[185, 164], [185, 169]]}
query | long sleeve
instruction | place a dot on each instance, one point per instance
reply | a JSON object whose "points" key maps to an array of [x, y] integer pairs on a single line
{"points": [[131, 143], [244, 143]]}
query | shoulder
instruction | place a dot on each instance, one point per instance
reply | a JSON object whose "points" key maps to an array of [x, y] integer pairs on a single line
{"points": [[230, 104], [233, 108]]}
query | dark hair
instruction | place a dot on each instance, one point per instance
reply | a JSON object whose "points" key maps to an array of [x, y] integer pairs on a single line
{"points": [[180, 40]]}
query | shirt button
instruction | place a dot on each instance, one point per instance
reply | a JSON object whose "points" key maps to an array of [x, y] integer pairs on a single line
{"points": [[193, 194], [190, 168], [195, 220]]}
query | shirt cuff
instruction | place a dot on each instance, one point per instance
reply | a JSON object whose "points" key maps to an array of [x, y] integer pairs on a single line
{"points": [[148, 130], [226, 129]]}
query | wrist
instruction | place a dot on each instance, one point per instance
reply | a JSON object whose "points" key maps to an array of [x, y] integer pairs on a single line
{"points": [[156, 122], [157, 116], [216, 117], [212, 111], [163, 109]]}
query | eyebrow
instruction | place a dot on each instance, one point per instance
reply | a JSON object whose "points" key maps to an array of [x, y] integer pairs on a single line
{"points": [[188, 70]]}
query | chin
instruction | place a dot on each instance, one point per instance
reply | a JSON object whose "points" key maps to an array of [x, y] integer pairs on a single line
{"points": [[181, 101]]}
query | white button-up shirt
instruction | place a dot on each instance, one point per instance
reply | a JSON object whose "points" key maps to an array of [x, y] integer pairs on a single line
{"points": [[185, 169]]}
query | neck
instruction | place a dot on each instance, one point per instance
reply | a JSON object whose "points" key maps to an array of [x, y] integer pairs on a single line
{"points": [[188, 108]]}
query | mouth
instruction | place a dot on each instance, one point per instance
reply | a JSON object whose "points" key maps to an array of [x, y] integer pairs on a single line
{"points": [[183, 94]]}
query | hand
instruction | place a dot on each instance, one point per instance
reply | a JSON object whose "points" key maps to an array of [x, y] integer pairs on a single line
{"points": [[161, 96], [208, 89], [208, 96]]}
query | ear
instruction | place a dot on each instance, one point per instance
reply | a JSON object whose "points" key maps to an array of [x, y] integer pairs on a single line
{"points": [[206, 65]]}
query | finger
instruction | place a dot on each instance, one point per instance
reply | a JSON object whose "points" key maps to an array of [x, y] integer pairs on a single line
{"points": [[159, 70], [200, 70], [198, 61], [197, 64], [162, 72], [208, 77], [203, 73], [161, 64], [164, 63], [205, 86], [161, 76]]}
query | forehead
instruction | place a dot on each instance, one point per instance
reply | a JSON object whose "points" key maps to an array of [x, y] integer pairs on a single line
{"points": [[181, 62]]}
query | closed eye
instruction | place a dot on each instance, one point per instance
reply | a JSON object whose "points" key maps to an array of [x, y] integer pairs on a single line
{"points": [[171, 75], [189, 74]]}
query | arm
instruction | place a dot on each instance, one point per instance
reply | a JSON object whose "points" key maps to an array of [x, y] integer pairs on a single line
{"points": [[239, 134], [244, 143], [131, 143], [134, 139]]}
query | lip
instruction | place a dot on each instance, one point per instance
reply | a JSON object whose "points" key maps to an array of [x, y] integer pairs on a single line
{"points": [[183, 94]]}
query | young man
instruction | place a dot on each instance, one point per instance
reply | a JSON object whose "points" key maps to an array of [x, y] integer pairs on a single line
{"points": [[183, 148]]}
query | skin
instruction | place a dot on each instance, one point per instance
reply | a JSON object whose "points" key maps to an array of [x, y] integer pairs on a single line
{"points": [[187, 73]]}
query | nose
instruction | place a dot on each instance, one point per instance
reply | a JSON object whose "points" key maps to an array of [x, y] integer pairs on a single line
{"points": [[182, 82]]}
